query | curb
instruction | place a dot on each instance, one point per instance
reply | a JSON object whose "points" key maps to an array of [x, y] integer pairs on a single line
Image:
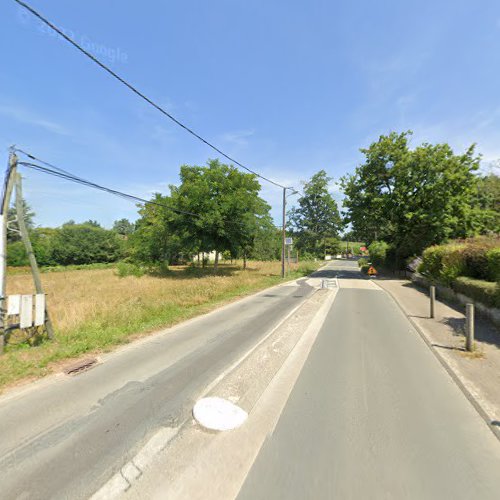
{"points": [[472, 400]]}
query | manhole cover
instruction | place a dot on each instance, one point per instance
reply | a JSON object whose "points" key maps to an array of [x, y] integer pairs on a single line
{"points": [[218, 414]]}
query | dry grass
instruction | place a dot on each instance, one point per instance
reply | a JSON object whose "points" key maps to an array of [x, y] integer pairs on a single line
{"points": [[94, 310]]}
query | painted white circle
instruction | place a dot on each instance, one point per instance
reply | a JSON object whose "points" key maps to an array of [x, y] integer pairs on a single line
{"points": [[218, 414]]}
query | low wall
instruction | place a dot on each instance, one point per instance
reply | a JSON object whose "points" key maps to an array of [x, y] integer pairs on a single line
{"points": [[492, 313]]}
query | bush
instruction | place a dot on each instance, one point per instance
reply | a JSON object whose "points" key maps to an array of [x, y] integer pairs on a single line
{"points": [[453, 263], [126, 269], [485, 292], [16, 254], [432, 261], [444, 262], [362, 262], [378, 251], [364, 268], [493, 263]]}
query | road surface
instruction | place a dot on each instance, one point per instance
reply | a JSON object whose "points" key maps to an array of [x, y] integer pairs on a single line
{"points": [[64, 438], [373, 415]]}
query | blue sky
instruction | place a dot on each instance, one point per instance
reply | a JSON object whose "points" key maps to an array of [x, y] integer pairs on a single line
{"points": [[286, 87]]}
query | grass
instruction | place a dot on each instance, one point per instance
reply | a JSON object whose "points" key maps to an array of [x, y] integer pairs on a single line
{"points": [[96, 310]]}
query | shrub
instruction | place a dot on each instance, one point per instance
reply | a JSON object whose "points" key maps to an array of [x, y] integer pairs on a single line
{"points": [[485, 292], [378, 251], [126, 269], [443, 262], [493, 263], [364, 268], [362, 262], [453, 263], [16, 254]]}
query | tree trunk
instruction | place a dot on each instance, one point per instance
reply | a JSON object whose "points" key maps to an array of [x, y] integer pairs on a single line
{"points": [[198, 259], [216, 261], [203, 259]]}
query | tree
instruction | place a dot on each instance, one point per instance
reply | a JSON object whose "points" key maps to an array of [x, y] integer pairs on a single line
{"points": [[412, 198], [154, 240], [317, 217], [229, 211], [13, 234], [123, 227], [488, 204], [85, 244]]}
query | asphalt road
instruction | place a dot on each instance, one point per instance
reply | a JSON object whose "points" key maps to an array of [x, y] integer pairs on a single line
{"points": [[66, 437], [373, 415]]}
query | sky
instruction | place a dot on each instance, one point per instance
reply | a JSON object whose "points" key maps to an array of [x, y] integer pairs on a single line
{"points": [[285, 87]]}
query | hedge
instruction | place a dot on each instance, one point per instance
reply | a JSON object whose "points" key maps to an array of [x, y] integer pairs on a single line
{"points": [[475, 258], [493, 258], [485, 292], [443, 262]]}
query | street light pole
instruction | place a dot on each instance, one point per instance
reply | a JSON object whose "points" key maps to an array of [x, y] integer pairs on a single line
{"points": [[283, 235]]}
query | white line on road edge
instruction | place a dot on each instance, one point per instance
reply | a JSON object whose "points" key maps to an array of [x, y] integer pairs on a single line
{"points": [[122, 480]]}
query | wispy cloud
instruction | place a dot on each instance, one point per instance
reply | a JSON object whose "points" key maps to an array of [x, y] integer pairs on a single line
{"points": [[238, 137], [28, 117]]}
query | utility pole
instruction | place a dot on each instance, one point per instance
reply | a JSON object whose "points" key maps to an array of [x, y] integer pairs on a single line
{"points": [[4, 209], [283, 235], [29, 249]]}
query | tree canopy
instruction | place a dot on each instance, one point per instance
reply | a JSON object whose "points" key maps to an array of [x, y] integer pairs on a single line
{"points": [[316, 218], [413, 198]]}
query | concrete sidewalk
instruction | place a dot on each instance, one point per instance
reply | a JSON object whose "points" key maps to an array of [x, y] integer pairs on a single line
{"points": [[478, 372]]}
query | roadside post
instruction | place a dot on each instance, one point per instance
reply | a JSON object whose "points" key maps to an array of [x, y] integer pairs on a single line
{"points": [[432, 294], [469, 327]]}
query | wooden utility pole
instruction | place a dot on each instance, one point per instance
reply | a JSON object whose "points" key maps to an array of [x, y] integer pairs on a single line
{"points": [[4, 207], [29, 249]]}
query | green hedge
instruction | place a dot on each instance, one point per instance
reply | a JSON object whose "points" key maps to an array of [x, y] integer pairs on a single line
{"points": [[493, 259], [485, 292], [444, 262], [476, 258]]}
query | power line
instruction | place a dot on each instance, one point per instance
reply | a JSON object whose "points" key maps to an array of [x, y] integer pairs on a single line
{"points": [[55, 171], [139, 93], [115, 192]]}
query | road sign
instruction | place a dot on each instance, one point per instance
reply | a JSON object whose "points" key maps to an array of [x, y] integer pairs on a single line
{"points": [[372, 271], [288, 241]]}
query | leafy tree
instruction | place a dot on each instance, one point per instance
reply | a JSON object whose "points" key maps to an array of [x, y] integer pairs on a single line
{"points": [[412, 199], [488, 204], [123, 227], [229, 211], [29, 215], [154, 241], [317, 217], [92, 223], [267, 243], [85, 244]]}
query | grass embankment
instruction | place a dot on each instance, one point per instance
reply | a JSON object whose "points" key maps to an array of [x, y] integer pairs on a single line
{"points": [[95, 310]]}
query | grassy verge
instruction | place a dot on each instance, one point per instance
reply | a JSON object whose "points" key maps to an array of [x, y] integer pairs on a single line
{"points": [[95, 310]]}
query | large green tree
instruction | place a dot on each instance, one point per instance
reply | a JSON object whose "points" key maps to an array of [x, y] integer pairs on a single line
{"points": [[228, 210], [316, 219], [412, 198]]}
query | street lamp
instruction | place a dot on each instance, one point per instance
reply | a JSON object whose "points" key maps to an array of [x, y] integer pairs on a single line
{"points": [[293, 191]]}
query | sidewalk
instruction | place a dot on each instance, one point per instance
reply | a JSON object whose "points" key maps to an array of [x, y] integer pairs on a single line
{"points": [[479, 372]]}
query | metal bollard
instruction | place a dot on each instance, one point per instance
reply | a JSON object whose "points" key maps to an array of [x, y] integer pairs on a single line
{"points": [[469, 327], [432, 294]]}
